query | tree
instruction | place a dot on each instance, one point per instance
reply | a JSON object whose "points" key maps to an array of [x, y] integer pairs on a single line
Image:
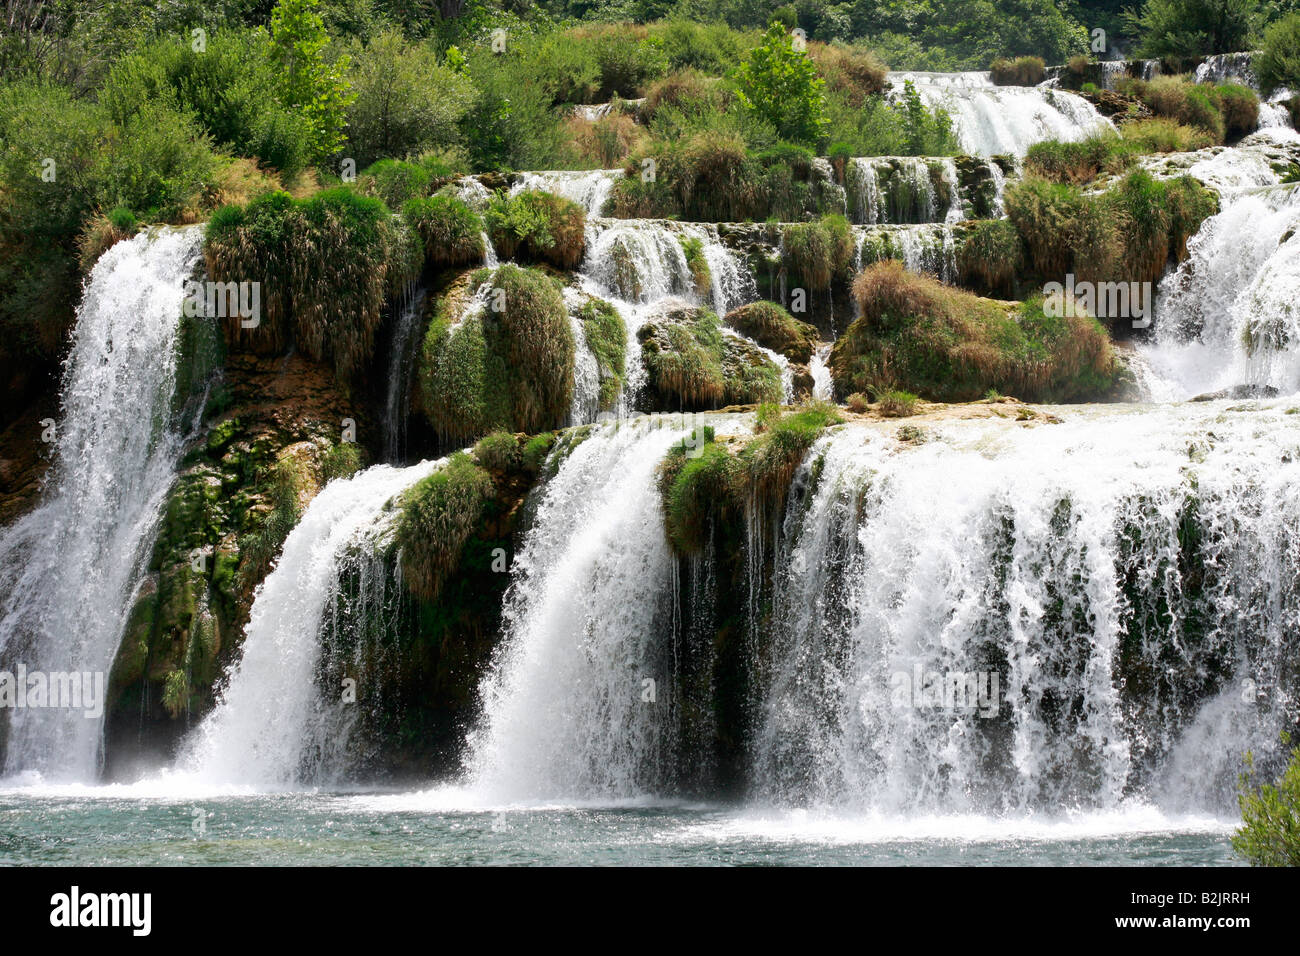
{"points": [[1270, 816], [780, 84], [308, 81], [1279, 63], [1188, 28]]}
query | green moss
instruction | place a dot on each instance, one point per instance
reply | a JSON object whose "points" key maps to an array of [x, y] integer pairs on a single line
{"points": [[536, 451], [498, 452], [693, 249], [341, 461], [510, 369], [452, 233], [774, 328], [438, 516], [606, 336]]}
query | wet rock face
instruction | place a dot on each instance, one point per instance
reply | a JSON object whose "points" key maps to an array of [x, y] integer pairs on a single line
{"points": [[25, 456], [271, 438]]}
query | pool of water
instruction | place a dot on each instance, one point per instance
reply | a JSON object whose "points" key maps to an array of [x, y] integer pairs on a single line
{"points": [[124, 826]]}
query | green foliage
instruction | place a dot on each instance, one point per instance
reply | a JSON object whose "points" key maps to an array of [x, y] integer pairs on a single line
{"points": [[606, 335], [331, 314], [438, 515], [691, 365], [341, 461], [307, 80], [1080, 161], [915, 333], [406, 101], [498, 452], [780, 84], [817, 253], [774, 328], [1278, 63], [992, 255], [452, 233], [1189, 28], [537, 226], [1270, 815], [1022, 71], [258, 549], [490, 370]]}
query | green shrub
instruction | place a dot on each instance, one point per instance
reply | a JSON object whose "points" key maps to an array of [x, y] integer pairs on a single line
{"points": [[498, 452], [853, 75], [331, 314], [452, 233], [157, 163], [536, 451], [1081, 161], [701, 276], [395, 182], [781, 86], [817, 253], [774, 328], [490, 370], [1278, 64], [1239, 106], [683, 360], [438, 516], [1270, 815], [946, 344], [537, 226], [306, 78], [992, 255], [1161, 134], [406, 100], [341, 461], [896, 403]]}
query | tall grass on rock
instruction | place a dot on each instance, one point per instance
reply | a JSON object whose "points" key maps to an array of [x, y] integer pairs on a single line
{"points": [[332, 313], [452, 233], [774, 328], [482, 370], [438, 515], [945, 344], [537, 226]]}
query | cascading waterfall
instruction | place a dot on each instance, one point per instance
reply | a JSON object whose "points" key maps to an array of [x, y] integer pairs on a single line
{"points": [[992, 120], [401, 373], [904, 189], [1129, 579], [823, 389], [564, 714], [273, 726], [68, 568], [588, 188], [1226, 317], [928, 248]]}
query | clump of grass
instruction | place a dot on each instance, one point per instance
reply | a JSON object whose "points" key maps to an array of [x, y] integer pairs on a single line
{"points": [[855, 75], [438, 516], [817, 253], [331, 314], [918, 335], [1160, 134], [774, 328], [896, 403], [1079, 162], [451, 231], [498, 452], [1022, 71], [103, 231], [857, 403], [701, 276], [536, 451], [490, 370], [1223, 111], [992, 255], [537, 226], [396, 181], [606, 336], [692, 366]]}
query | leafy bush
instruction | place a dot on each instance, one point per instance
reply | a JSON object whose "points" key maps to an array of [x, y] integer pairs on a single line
{"points": [[1189, 28], [537, 226], [780, 84], [307, 79], [1022, 71], [1270, 815], [498, 452], [1278, 64], [452, 233]]}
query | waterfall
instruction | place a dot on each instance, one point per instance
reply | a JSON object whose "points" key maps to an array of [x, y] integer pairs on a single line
{"points": [[585, 405], [992, 120], [68, 568], [273, 725], [921, 248], [564, 708], [588, 188], [1129, 580], [905, 189], [1226, 317], [823, 387], [401, 373]]}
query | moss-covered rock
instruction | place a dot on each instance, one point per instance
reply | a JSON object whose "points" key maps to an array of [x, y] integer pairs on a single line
{"points": [[452, 233], [945, 344], [606, 336], [692, 365], [774, 328], [438, 515], [537, 226], [499, 358]]}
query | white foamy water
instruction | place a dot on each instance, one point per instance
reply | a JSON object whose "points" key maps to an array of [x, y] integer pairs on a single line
{"points": [[992, 120], [68, 569], [271, 726], [588, 188]]}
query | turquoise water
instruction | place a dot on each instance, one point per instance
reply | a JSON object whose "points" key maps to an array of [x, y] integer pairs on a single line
{"points": [[112, 826]]}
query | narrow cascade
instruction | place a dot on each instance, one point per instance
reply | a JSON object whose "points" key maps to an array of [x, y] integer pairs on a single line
{"points": [[928, 248], [563, 709], [823, 389], [273, 725], [68, 568], [1226, 318], [1129, 581], [992, 120], [586, 370], [401, 373], [904, 189], [588, 188]]}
